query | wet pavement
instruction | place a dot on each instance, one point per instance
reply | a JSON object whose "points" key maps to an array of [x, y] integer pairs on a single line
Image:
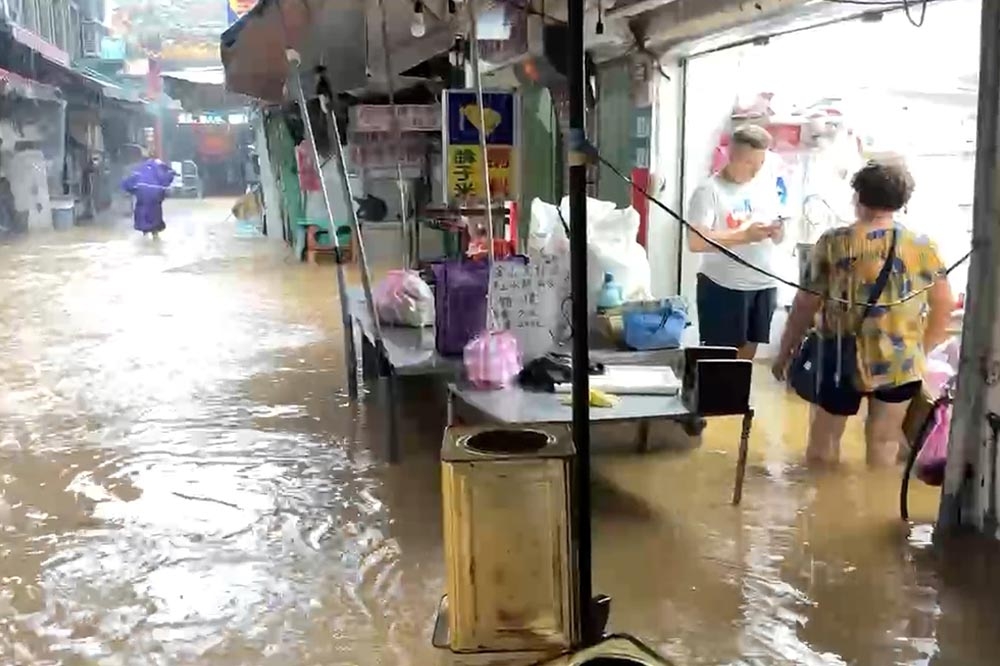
{"points": [[184, 481]]}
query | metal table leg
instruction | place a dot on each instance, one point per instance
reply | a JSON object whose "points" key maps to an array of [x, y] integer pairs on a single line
{"points": [[451, 407], [351, 359], [642, 437], [390, 382], [741, 464]]}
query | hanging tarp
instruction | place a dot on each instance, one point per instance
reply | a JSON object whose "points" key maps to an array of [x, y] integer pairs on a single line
{"points": [[345, 37]]}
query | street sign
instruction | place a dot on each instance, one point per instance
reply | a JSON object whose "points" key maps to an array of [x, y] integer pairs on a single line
{"points": [[463, 162]]}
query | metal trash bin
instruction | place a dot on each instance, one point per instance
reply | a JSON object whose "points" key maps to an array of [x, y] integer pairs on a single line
{"points": [[508, 540]]}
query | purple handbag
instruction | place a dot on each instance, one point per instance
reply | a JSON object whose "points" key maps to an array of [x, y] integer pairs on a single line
{"points": [[460, 290]]}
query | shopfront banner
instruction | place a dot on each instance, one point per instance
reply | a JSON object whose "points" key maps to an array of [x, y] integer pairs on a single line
{"points": [[463, 163]]}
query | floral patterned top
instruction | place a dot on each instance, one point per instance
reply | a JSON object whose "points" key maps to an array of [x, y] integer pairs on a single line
{"points": [[845, 263]]}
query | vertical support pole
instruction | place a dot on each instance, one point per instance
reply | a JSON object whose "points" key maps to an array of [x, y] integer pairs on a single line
{"points": [[397, 137], [578, 282], [294, 61], [386, 377], [385, 372], [741, 463], [969, 496], [359, 242]]}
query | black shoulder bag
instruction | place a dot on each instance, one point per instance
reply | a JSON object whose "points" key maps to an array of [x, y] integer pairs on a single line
{"points": [[829, 362]]}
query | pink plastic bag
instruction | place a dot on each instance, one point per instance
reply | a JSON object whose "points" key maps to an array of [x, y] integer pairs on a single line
{"points": [[402, 298], [492, 360], [933, 455]]}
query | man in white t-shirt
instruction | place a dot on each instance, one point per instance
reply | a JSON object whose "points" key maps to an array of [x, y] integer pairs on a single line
{"points": [[737, 209]]}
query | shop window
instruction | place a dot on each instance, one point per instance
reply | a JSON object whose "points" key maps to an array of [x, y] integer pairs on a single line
{"points": [[29, 15], [75, 36], [14, 11], [59, 29], [45, 22]]}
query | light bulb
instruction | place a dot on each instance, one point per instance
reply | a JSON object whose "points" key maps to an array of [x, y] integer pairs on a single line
{"points": [[418, 28]]}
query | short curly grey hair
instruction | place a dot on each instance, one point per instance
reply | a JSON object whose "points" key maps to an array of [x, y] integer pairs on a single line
{"points": [[751, 136]]}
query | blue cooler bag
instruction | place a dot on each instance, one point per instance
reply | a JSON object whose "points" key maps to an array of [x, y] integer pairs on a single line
{"points": [[657, 325]]}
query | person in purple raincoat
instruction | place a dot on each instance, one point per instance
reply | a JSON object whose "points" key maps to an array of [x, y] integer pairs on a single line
{"points": [[149, 184]]}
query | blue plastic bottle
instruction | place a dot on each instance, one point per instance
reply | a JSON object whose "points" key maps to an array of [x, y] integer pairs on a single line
{"points": [[611, 294]]}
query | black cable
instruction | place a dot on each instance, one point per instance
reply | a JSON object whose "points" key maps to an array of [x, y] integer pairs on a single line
{"points": [[905, 5], [909, 17], [740, 260]]}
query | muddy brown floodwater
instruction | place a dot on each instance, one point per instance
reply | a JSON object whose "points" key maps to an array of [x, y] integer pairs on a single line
{"points": [[184, 481]]}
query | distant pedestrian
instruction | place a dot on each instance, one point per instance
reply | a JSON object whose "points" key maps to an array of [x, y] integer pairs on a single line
{"points": [[149, 184]]}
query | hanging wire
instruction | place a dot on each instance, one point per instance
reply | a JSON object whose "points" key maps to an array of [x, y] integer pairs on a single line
{"points": [[905, 5], [477, 83], [397, 134]]}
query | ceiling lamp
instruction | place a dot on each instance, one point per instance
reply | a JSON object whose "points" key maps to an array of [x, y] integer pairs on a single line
{"points": [[418, 28]]}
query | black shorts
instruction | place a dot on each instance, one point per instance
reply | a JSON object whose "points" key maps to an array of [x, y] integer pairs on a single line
{"points": [[846, 400], [732, 317]]}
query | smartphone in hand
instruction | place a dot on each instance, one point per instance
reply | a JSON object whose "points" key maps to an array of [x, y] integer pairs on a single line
{"points": [[778, 225]]}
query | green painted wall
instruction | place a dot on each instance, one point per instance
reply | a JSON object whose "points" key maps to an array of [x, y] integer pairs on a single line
{"points": [[614, 118], [541, 151]]}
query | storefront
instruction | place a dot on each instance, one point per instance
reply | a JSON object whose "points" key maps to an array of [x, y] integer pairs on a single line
{"points": [[832, 95], [32, 150]]}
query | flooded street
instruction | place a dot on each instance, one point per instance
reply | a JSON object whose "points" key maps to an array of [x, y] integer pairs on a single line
{"points": [[183, 480]]}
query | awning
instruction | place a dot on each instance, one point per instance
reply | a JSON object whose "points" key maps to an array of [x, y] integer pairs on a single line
{"points": [[201, 94], [345, 37], [15, 84], [39, 45], [109, 88]]}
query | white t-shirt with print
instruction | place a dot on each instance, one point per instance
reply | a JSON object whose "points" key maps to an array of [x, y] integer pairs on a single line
{"points": [[721, 204]]}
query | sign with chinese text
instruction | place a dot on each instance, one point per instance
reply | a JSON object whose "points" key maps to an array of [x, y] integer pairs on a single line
{"points": [[412, 118], [464, 161], [531, 301], [237, 8]]}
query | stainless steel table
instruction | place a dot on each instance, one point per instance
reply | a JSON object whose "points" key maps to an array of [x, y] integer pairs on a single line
{"points": [[408, 352], [517, 407]]}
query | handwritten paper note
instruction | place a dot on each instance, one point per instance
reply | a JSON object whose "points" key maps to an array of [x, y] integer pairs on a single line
{"points": [[532, 301]]}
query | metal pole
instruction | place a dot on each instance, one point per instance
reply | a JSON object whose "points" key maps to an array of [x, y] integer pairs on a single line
{"points": [[477, 83], [397, 137], [969, 495], [348, 196], [294, 61], [578, 282]]}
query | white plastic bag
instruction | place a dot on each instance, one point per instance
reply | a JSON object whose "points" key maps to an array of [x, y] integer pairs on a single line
{"points": [[546, 234], [611, 245], [942, 366], [947, 352], [403, 299], [612, 248]]}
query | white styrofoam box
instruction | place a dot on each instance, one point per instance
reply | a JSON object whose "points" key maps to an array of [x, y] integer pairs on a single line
{"points": [[29, 182]]}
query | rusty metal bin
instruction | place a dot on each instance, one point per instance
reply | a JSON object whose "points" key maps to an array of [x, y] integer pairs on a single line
{"points": [[508, 540]]}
